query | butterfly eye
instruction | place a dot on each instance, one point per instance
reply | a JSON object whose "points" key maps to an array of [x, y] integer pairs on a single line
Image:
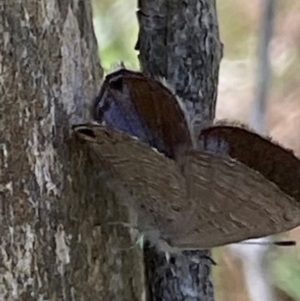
{"points": [[86, 132]]}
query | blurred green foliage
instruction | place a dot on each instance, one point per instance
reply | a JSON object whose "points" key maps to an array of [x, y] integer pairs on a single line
{"points": [[287, 274], [116, 29]]}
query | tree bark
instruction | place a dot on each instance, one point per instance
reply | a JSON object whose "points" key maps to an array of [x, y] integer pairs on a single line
{"points": [[179, 41], [55, 241]]}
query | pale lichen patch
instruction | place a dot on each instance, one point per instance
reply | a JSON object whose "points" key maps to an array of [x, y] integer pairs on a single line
{"points": [[42, 161], [4, 155], [71, 76], [75, 79], [25, 256], [62, 249], [21, 271], [49, 12]]}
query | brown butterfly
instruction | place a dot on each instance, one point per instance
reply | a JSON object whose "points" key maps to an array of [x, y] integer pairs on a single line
{"points": [[239, 185]]}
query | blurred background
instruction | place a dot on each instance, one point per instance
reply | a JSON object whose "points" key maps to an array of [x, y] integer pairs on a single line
{"points": [[272, 272]]}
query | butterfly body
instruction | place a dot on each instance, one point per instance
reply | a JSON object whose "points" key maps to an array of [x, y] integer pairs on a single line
{"points": [[188, 198]]}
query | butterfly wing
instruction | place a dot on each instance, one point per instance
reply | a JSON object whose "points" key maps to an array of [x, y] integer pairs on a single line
{"points": [[276, 163], [145, 108], [154, 181], [244, 187]]}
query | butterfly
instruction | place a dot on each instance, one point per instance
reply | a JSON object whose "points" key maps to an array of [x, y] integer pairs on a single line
{"points": [[236, 185]]}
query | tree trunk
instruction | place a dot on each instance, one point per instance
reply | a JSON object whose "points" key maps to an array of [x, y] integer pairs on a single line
{"points": [[55, 242], [179, 41]]}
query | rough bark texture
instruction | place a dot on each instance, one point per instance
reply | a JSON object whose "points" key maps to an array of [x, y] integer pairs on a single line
{"points": [[179, 41], [55, 242]]}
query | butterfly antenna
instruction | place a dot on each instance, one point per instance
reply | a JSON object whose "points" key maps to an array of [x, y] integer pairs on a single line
{"points": [[286, 243]]}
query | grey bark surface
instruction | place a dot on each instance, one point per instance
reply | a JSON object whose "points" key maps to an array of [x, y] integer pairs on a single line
{"points": [[179, 41], [55, 242]]}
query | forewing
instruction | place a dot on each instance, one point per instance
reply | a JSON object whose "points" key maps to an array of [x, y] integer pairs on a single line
{"points": [[154, 181], [233, 202]]}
